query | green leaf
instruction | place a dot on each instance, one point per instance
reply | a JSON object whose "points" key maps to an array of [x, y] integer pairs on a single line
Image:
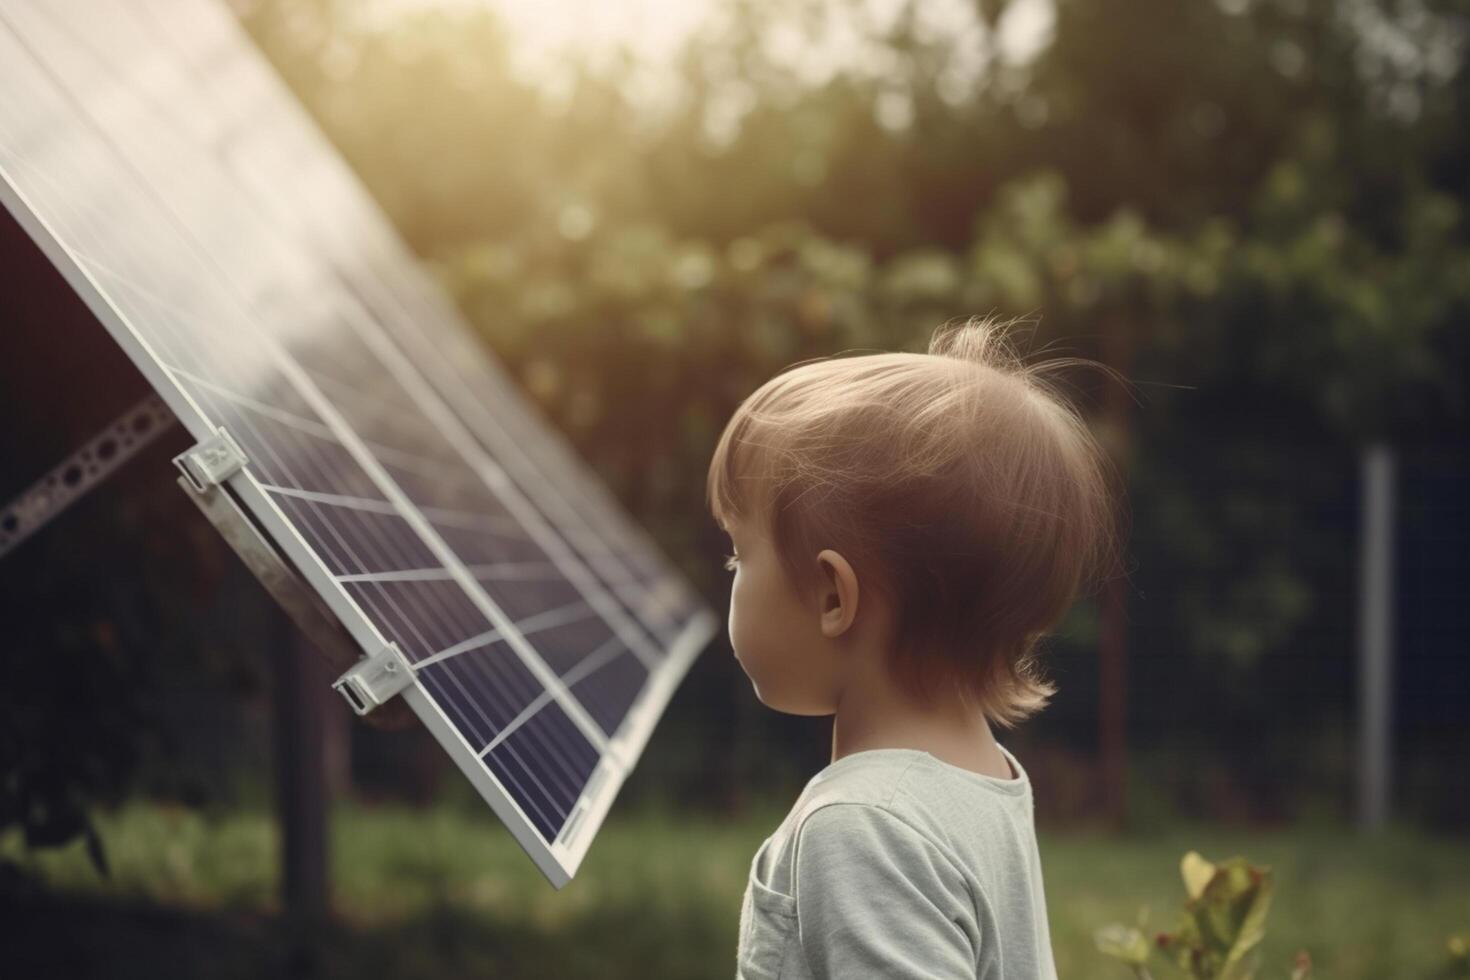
{"points": [[1196, 872], [1122, 943]]}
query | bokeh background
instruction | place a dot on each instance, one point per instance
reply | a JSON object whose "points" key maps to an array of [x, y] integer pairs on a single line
{"points": [[1254, 210]]}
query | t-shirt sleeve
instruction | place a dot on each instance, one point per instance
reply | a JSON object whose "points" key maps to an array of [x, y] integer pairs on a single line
{"points": [[875, 898]]}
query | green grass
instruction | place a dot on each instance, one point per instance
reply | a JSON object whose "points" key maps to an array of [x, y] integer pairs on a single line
{"points": [[446, 892]]}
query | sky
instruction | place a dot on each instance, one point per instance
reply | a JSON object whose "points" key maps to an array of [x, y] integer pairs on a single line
{"points": [[545, 31]]}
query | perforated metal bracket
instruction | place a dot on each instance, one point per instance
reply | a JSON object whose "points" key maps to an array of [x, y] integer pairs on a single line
{"points": [[375, 679], [89, 465], [212, 461]]}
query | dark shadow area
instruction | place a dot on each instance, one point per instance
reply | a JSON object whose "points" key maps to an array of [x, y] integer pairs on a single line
{"points": [[78, 938]]}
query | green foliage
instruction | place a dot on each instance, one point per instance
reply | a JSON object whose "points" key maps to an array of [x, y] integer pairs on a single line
{"points": [[445, 891], [1458, 948], [113, 625], [1224, 918], [1220, 930], [1226, 184], [1264, 204]]}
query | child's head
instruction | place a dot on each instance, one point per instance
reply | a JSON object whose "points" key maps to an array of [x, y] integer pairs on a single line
{"points": [[962, 492]]}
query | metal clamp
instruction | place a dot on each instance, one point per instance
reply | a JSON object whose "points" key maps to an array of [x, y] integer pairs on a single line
{"points": [[211, 462], [375, 679]]}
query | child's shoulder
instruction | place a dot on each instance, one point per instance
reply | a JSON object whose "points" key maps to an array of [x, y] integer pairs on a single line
{"points": [[884, 786], [905, 779], [914, 788], [872, 777], [883, 805]]}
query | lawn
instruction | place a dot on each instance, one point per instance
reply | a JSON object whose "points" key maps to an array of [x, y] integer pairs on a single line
{"points": [[445, 892]]}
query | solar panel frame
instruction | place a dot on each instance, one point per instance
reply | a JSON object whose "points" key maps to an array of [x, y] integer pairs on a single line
{"points": [[554, 453], [598, 509], [558, 858], [600, 515], [559, 457]]}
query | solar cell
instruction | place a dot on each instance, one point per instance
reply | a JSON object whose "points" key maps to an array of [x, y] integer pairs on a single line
{"points": [[164, 169], [273, 142]]}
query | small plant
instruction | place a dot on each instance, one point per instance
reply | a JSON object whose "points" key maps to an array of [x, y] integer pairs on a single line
{"points": [[1458, 947], [1219, 932]]}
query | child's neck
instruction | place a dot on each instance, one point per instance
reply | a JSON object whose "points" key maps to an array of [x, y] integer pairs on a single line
{"points": [[873, 713]]}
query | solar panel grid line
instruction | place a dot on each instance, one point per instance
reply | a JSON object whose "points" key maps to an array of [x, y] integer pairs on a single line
{"points": [[429, 468], [566, 561], [509, 447], [652, 701], [460, 574], [425, 466], [349, 181], [570, 466], [519, 571], [406, 459], [308, 426], [504, 489], [468, 643], [533, 624], [180, 403], [553, 755], [400, 575], [334, 499], [493, 694], [590, 544], [616, 576], [465, 520], [398, 417], [95, 299], [562, 783], [353, 552], [556, 862], [30, 218], [324, 409], [547, 727], [590, 663], [563, 508], [703, 628], [334, 531], [17, 202], [438, 515], [617, 579]]}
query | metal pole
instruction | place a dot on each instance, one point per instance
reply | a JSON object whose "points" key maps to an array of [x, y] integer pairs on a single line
{"points": [[301, 790], [1375, 636], [1118, 348]]}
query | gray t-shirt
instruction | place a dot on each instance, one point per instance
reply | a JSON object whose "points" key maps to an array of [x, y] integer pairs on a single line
{"points": [[894, 864]]}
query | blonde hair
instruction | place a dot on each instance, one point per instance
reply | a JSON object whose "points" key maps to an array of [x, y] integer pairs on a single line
{"points": [[959, 483]]}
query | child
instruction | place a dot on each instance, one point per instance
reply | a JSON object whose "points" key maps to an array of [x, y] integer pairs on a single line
{"points": [[906, 527]]}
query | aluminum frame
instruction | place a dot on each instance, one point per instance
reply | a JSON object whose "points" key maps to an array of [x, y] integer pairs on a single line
{"points": [[558, 860]]}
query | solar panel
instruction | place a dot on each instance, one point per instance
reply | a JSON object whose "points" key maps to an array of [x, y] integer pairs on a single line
{"points": [[166, 171]]}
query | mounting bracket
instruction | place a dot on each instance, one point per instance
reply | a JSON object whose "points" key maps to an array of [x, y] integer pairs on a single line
{"points": [[90, 464], [211, 462], [369, 681]]}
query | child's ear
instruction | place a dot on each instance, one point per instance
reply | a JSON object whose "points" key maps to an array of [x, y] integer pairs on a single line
{"points": [[839, 594]]}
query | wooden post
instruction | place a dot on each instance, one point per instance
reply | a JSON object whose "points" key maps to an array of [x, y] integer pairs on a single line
{"points": [[1117, 344], [301, 779], [1375, 636]]}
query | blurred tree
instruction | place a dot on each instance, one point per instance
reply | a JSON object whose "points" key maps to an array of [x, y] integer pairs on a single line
{"points": [[1268, 196]]}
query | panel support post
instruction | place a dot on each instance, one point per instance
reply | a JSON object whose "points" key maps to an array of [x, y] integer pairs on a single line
{"points": [[301, 784], [1115, 433], [1375, 636]]}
